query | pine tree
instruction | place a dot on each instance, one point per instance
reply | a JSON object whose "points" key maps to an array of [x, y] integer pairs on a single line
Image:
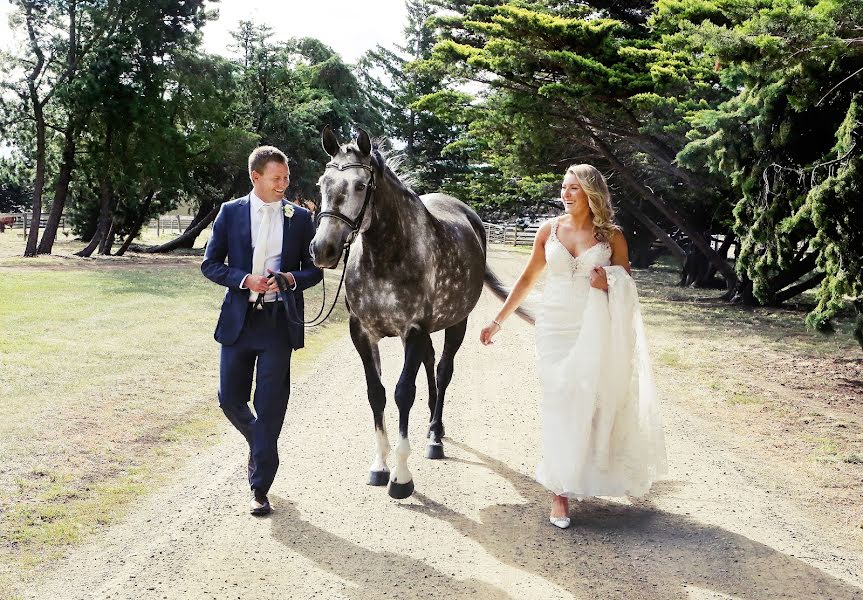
{"points": [[572, 84], [396, 80], [788, 140]]}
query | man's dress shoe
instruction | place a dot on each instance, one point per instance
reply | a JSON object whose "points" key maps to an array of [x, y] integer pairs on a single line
{"points": [[260, 506]]}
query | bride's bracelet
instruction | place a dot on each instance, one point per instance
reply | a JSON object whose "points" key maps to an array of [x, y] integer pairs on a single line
{"points": [[496, 322]]}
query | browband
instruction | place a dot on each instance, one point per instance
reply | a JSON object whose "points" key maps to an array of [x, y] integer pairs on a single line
{"points": [[345, 166]]}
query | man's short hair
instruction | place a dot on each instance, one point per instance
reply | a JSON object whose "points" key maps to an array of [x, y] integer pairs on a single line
{"points": [[262, 155]]}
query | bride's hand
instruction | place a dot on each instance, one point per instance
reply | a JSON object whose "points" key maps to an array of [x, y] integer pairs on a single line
{"points": [[599, 278], [488, 332]]}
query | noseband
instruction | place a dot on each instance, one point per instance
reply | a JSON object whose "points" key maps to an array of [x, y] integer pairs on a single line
{"points": [[355, 224]]}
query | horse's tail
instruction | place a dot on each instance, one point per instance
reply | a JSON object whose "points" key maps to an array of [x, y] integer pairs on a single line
{"points": [[501, 291]]}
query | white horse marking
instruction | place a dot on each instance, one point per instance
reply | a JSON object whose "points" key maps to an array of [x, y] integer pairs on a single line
{"points": [[401, 474], [382, 450]]}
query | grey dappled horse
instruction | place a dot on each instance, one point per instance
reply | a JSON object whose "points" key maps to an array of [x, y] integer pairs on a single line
{"points": [[416, 266]]}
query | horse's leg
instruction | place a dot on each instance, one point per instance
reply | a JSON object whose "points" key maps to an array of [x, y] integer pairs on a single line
{"points": [[453, 339], [417, 346], [379, 474], [428, 362]]}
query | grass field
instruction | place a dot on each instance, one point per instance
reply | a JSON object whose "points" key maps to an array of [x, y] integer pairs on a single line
{"points": [[109, 374]]}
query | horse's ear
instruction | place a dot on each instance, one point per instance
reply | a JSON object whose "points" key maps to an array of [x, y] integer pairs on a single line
{"points": [[364, 143], [329, 141]]}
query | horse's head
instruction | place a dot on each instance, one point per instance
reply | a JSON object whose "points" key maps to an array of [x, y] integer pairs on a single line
{"points": [[346, 189]]}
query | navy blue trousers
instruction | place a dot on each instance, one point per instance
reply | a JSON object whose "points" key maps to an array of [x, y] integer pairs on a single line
{"points": [[264, 341]]}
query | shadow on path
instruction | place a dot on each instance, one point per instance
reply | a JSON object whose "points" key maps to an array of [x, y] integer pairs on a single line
{"points": [[615, 551], [374, 573]]}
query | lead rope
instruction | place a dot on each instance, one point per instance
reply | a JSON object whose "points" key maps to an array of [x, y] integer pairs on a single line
{"points": [[284, 290]]}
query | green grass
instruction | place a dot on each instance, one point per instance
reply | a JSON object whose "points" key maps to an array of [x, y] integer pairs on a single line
{"points": [[670, 358], [745, 398], [520, 249], [109, 381]]}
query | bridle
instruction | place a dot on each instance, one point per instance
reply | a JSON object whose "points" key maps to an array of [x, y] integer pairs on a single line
{"points": [[355, 225]]}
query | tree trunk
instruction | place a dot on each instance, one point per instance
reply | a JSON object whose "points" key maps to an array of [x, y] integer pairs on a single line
{"points": [[191, 233], [39, 180], [105, 193], [794, 272], [104, 223], [189, 240], [723, 249], [61, 190], [742, 293], [676, 251], [138, 224], [703, 246], [858, 322], [39, 117], [794, 290], [108, 241], [698, 272]]}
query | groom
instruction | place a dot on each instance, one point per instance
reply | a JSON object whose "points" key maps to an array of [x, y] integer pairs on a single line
{"points": [[259, 234]]}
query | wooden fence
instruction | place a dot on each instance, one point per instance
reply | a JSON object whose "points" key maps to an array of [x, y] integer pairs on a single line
{"points": [[25, 221], [510, 234], [176, 224]]}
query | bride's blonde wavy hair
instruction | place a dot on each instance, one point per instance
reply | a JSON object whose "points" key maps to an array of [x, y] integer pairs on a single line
{"points": [[598, 199]]}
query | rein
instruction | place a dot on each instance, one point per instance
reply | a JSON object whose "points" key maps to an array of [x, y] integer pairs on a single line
{"points": [[281, 280]]}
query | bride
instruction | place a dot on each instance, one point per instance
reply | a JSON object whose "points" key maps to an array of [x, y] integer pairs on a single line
{"points": [[602, 432]]}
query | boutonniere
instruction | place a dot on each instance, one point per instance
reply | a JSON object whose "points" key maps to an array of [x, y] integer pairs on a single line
{"points": [[289, 212]]}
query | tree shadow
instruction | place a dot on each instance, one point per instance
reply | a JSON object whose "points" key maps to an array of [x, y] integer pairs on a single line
{"points": [[368, 569], [638, 547]]}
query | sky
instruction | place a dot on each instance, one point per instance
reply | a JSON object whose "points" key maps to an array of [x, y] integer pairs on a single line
{"points": [[350, 27]]}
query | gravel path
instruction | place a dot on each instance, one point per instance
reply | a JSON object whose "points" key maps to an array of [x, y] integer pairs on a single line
{"points": [[477, 525]]}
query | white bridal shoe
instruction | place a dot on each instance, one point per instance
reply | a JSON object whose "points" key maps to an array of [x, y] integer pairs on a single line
{"points": [[561, 522]]}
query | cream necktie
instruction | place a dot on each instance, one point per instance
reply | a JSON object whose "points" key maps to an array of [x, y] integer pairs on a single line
{"points": [[259, 255]]}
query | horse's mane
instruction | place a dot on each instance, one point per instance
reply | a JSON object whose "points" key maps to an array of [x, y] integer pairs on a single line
{"points": [[392, 161]]}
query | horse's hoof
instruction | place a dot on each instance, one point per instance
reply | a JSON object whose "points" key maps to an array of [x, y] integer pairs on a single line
{"points": [[400, 491], [434, 451], [379, 477]]}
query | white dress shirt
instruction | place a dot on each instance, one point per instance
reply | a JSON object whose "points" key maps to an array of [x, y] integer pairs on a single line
{"points": [[274, 242]]}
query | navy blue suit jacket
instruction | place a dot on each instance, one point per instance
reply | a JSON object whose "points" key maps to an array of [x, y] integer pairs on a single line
{"points": [[232, 240]]}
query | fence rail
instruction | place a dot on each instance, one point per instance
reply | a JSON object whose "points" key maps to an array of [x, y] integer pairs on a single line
{"points": [[171, 223], [510, 234], [25, 221]]}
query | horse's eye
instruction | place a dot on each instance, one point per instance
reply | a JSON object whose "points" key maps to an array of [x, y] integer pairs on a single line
{"points": [[361, 186]]}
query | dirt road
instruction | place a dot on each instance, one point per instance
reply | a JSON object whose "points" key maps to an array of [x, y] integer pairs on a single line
{"points": [[719, 527]]}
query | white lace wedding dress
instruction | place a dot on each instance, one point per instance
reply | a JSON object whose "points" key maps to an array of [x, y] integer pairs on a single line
{"points": [[602, 432]]}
